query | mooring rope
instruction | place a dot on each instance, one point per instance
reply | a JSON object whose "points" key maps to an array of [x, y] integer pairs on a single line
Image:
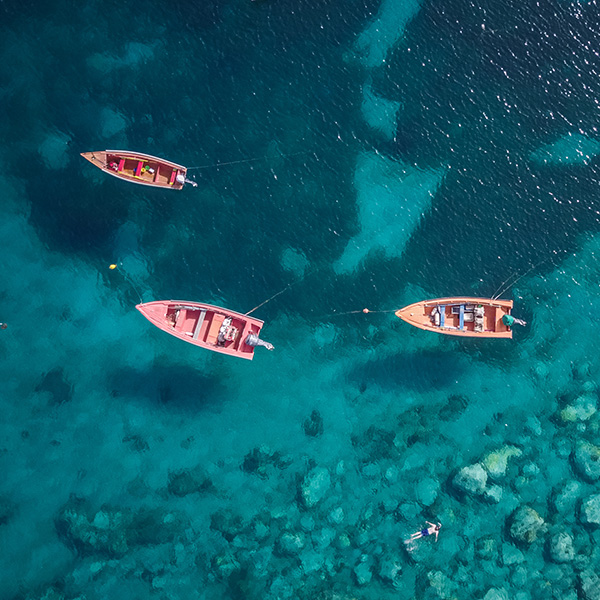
{"points": [[289, 285], [115, 266], [354, 312], [247, 160]]}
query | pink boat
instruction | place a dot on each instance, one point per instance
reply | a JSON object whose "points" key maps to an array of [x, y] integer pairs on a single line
{"points": [[136, 167], [211, 327]]}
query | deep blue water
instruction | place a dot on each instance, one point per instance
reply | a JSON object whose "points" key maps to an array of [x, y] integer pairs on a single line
{"points": [[381, 152]]}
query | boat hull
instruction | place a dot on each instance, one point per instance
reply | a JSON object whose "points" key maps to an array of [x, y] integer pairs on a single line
{"points": [[478, 317], [204, 325], [135, 167]]}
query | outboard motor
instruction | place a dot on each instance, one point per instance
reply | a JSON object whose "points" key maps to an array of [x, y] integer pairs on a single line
{"points": [[509, 321], [253, 340], [182, 179]]}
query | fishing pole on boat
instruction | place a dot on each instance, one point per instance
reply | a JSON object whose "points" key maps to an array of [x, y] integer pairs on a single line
{"points": [[247, 160], [114, 267], [504, 287]]}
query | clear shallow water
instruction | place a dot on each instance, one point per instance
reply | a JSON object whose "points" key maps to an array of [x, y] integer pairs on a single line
{"points": [[448, 146]]}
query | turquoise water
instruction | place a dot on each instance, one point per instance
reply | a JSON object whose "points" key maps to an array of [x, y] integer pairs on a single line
{"points": [[407, 150]]}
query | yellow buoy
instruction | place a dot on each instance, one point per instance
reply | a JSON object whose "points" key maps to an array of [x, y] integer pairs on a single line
{"points": [[112, 267]]}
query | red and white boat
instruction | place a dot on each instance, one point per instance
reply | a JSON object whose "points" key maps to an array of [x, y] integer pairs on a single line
{"points": [[136, 167], [211, 327], [466, 317]]}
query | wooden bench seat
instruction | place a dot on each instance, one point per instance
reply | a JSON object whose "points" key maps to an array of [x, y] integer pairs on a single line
{"points": [[198, 326], [213, 332], [500, 326]]}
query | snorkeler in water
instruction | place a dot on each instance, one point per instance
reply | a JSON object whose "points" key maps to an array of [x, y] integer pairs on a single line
{"points": [[433, 529]]}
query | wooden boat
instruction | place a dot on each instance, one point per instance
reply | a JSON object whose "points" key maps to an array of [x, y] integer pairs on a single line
{"points": [[211, 327], [467, 317], [140, 168]]}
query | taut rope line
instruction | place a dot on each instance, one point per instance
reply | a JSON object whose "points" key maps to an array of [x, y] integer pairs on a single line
{"points": [[289, 285], [115, 266], [354, 312], [246, 160]]}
